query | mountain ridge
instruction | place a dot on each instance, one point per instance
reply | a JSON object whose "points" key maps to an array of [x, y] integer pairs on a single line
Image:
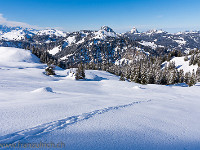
{"points": [[101, 46]]}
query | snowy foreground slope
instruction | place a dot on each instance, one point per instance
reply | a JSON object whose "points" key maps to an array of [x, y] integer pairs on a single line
{"points": [[100, 112]]}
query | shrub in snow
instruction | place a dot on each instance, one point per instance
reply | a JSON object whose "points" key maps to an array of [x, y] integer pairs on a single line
{"points": [[50, 70], [186, 58]]}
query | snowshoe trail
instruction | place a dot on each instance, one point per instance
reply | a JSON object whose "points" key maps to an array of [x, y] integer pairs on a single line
{"points": [[59, 124]]}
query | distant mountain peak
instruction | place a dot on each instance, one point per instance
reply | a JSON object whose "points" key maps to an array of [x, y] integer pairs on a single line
{"points": [[104, 32], [107, 29], [134, 30]]}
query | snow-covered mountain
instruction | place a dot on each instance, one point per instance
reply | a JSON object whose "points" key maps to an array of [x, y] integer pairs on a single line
{"points": [[51, 33], [134, 30], [184, 41], [21, 34], [104, 32], [103, 45]]}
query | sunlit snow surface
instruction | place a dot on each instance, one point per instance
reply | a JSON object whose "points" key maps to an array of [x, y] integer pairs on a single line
{"points": [[100, 112], [180, 63]]}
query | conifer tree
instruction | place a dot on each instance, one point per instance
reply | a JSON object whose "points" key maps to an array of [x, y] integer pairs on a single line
{"points": [[181, 76], [192, 79], [80, 72], [187, 77], [198, 74], [122, 78]]}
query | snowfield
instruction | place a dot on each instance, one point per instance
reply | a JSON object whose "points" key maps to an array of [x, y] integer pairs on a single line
{"points": [[55, 50], [180, 63], [100, 112]]}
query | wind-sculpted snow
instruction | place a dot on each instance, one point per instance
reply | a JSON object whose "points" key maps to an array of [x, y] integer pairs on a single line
{"points": [[43, 90], [59, 124]]}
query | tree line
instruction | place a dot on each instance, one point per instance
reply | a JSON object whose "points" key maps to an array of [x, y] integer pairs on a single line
{"points": [[149, 70]]}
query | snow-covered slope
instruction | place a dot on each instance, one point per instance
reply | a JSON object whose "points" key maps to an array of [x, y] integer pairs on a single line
{"points": [[180, 63], [100, 112], [150, 44], [51, 32], [13, 35], [55, 50], [14, 57]]}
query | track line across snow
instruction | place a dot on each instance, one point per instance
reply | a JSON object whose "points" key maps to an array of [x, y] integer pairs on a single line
{"points": [[59, 124]]}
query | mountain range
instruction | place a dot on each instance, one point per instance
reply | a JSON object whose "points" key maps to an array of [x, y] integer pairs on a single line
{"points": [[103, 45]]}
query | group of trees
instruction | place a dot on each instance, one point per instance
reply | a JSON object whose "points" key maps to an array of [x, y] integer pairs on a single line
{"points": [[149, 70], [47, 58], [146, 70], [195, 57]]}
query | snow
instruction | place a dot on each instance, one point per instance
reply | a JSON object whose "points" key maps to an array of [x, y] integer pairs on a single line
{"points": [[42, 90], [65, 57], [69, 41], [51, 32], [100, 112], [55, 50], [154, 31], [81, 41], [123, 61], [14, 57], [104, 32], [134, 30], [151, 44], [20, 33], [13, 35], [181, 64], [180, 41]]}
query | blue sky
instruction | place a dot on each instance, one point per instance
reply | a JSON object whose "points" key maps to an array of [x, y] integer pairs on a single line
{"points": [[121, 15]]}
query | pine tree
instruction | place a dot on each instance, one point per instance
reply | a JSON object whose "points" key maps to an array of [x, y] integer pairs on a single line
{"points": [[80, 72], [172, 77], [187, 77], [138, 75], [143, 76], [191, 60], [181, 76], [198, 74], [122, 78], [192, 79], [163, 77]]}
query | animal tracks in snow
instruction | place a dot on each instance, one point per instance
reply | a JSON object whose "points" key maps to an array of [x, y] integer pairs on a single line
{"points": [[59, 124]]}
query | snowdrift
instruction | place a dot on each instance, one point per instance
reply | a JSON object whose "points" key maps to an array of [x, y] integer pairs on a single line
{"points": [[8, 54]]}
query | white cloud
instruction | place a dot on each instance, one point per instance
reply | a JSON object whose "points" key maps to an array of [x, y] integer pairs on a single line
{"points": [[4, 21]]}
